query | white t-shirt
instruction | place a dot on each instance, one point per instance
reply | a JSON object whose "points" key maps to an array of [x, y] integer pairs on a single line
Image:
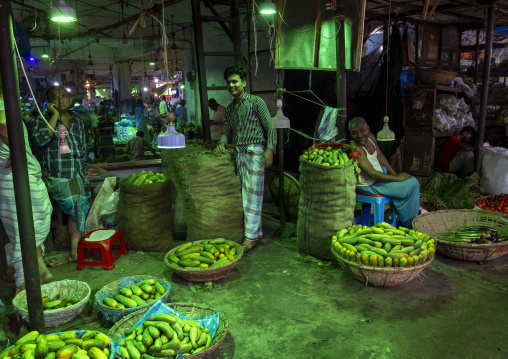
{"points": [[218, 115]]}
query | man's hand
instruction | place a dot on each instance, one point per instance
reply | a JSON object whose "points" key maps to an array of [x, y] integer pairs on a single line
{"points": [[220, 149], [53, 110], [8, 163], [268, 156], [403, 176]]}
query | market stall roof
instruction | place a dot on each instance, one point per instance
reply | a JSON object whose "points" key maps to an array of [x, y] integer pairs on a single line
{"points": [[437, 11]]}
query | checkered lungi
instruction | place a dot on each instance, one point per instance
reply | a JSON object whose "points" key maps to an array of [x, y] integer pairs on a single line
{"points": [[72, 197], [41, 210], [250, 166]]}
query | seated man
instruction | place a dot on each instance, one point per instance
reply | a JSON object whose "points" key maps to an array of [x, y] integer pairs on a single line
{"points": [[136, 147], [403, 188], [457, 157]]}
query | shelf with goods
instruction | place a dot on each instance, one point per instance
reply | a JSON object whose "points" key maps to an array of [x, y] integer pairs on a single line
{"points": [[421, 140]]}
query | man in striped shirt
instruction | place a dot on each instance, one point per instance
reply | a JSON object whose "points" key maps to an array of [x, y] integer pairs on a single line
{"points": [[247, 126], [65, 172]]}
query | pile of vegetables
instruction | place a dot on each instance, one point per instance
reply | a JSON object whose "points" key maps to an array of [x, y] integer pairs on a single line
{"points": [[143, 177], [451, 113], [333, 154], [475, 234], [447, 191], [164, 335], [56, 303], [209, 253], [497, 203], [502, 117], [66, 345], [383, 245], [135, 295]]}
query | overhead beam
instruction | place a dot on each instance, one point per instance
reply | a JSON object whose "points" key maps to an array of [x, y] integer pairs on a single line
{"points": [[424, 9], [431, 12]]}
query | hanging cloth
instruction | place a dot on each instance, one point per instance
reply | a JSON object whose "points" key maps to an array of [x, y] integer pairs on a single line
{"points": [[327, 129]]}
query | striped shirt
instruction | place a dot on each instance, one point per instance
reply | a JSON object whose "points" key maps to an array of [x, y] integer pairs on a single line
{"points": [[66, 165], [248, 124]]}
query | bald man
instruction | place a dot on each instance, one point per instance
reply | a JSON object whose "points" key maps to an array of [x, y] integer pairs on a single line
{"points": [[378, 177]]}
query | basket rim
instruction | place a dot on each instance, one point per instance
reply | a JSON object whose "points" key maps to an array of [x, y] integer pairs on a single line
{"points": [[481, 213], [131, 310], [471, 245], [220, 268], [383, 269], [82, 302]]}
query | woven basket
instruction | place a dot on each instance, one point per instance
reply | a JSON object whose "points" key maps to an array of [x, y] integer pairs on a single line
{"points": [[429, 76], [439, 223], [381, 276], [113, 315], [66, 288], [189, 310], [203, 274]]}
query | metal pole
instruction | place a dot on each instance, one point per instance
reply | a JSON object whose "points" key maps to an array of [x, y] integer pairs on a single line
{"points": [[280, 150], [485, 85], [341, 80], [10, 85]]}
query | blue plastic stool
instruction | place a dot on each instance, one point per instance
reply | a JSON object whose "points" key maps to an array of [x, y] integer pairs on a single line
{"points": [[378, 201]]}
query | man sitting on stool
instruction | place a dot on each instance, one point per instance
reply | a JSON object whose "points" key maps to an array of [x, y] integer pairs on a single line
{"points": [[457, 157], [403, 188]]}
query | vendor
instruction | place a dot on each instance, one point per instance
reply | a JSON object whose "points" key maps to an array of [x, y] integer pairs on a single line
{"points": [[403, 188], [218, 115], [457, 157], [247, 126], [65, 173], [136, 147], [41, 205]]}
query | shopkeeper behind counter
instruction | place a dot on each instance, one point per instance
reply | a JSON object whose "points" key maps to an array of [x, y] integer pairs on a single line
{"points": [[378, 177]]}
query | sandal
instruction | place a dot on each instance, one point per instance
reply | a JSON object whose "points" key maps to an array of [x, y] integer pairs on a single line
{"points": [[247, 250]]}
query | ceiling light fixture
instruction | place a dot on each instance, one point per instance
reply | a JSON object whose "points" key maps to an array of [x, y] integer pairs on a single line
{"points": [[63, 13], [151, 63], [159, 53], [268, 8], [171, 138], [44, 54], [386, 134]]}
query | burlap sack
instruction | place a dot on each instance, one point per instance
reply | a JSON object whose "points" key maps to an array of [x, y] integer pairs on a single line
{"points": [[144, 217], [327, 203], [215, 197]]}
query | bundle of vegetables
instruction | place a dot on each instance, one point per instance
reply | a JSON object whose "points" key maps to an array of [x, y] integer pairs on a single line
{"points": [[164, 335], [66, 345], [447, 191], [209, 253], [136, 295], [475, 234], [333, 154], [56, 303], [143, 177], [496, 203], [383, 245], [502, 117]]}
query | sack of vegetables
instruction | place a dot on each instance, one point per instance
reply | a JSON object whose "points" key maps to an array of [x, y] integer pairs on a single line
{"points": [[327, 197], [130, 294], [144, 212], [77, 344]]}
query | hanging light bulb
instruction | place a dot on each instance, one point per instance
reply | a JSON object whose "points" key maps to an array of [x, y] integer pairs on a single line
{"points": [[159, 53], [386, 134], [171, 138], [63, 13], [90, 63], [124, 38], [267, 8], [279, 120], [44, 54]]}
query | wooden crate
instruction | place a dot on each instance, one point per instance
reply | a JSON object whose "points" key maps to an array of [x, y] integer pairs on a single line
{"points": [[419, 151], [419, 103]]}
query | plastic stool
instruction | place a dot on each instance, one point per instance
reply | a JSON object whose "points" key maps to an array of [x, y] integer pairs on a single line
{"points": [[378, 201], [101, 240]]}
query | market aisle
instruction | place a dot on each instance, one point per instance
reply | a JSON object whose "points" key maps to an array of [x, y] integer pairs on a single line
{"points": [[281, 304]]}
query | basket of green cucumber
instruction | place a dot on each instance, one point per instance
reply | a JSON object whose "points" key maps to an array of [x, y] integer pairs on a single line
{"points": [[169, 330], [78, 344], [142, 178], [62, 301], [204, 261], [130, 294], [466, 234], [383, 255]]}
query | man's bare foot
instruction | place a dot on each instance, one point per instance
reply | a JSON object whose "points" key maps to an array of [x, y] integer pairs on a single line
{"points": [[46, 278], [73, 258], [248, 244], [20, 288]]}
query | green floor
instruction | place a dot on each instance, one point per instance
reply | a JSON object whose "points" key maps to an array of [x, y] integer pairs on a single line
{"points": [[281, 304]]}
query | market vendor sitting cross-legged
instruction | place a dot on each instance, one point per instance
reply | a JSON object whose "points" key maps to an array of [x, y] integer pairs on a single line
{"points": [[456, 156], [403, 188]]}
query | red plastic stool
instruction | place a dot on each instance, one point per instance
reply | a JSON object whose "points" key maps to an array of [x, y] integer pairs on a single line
{"points": [[101, 240]]}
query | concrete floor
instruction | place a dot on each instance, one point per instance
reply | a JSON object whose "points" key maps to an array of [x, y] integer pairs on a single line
{"points": [[280, 304]]}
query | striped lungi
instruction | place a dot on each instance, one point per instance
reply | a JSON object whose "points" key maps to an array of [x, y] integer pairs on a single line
{"points": [[41, 208], [72, 196], [250, 166]]}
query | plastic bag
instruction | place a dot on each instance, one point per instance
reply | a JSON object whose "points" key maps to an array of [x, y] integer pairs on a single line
{"points": [[107, 189], [108, 214]]}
